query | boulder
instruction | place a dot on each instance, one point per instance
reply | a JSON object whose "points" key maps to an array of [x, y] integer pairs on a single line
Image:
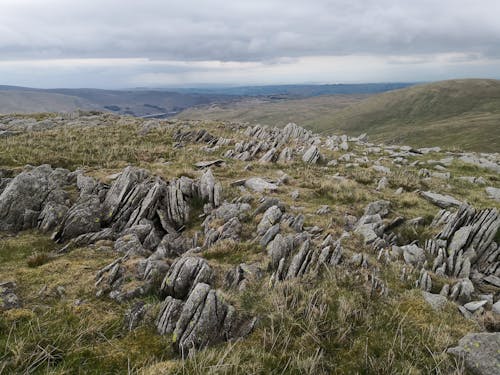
{"points": [[480, 352]]}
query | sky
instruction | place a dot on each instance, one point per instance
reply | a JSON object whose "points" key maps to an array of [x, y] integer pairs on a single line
{"points": [[165, 43]]}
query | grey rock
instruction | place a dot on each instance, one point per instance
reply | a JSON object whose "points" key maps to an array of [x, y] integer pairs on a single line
{"points": [[8, 298], [170, 310], [475, 305], [241, 275], [271, 217], [183, 276], [210, 190], [480, 352], [413, 255], [493, 193], [26, 195], [312, 155], [130, 244], [83, 217], [436, 301], [260, 185], [440, 200]]}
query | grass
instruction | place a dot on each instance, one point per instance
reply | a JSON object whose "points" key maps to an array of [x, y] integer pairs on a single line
{"points": [[332, 324]]}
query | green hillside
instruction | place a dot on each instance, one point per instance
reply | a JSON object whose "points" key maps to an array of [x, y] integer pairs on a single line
{"points": [[462, 114]]}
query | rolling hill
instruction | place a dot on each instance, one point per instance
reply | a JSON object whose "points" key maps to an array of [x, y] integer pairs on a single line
{"points": [[461, 114]]}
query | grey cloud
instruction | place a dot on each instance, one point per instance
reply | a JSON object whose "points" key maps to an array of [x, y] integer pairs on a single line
{"points": [[255, 30]]}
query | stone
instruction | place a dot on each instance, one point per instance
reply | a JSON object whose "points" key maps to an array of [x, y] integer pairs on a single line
{"points": [[271, 217], [475, 305], [84, 217], [312, 155], [480, 352], [205, 320], [413, 255], [25, 196], [260, 185], [493, 193], [440, 200], [183, 276], [496, 307], [210, 190], [436, 301], [8, 298]]}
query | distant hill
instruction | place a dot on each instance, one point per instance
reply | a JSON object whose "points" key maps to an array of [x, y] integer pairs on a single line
{"points": [[130, 102], [166, 102], [455, 114]]}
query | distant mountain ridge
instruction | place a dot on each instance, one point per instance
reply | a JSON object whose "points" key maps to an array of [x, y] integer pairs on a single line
{"points": [[164, 102]]}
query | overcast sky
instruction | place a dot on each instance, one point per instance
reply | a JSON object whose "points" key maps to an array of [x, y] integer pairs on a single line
{"points": [[155, 43]]}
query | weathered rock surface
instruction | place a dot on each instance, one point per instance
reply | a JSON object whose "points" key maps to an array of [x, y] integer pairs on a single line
{"points": [[480, 352], [183, 276]]}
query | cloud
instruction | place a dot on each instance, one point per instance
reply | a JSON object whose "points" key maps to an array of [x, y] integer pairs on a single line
{"points": [[264, 32]]}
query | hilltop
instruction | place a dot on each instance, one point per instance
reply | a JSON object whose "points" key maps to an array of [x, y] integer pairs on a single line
{"points": [[209, 247], [460, 113]]}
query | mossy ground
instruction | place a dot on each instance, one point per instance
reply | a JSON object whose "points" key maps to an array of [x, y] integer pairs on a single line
{"points": [[327, 324]]}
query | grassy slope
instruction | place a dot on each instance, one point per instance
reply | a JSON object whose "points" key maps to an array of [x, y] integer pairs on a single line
{"points": [[307, 112], [460, 113], [332, 325], [32, 101]]}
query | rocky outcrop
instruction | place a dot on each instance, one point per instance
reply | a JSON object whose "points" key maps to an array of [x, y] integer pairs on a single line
{"points": [[25, 197], [204, 319], [183, 276]]}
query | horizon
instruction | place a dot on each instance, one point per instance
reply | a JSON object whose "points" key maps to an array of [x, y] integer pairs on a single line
{"points": [[46, 44]]}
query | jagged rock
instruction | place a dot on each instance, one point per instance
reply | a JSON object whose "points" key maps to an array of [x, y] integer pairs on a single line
{"points": [[26, 195], [260, 185], [84, 217], [8, 298], [51, 216], [378, 208], [120, 190], [480, 353], [229, 210], [130, 244], [269, 235], [413, 255], [436, 301], [462, 291], [183, 276], [170, 310], [285, 156], [473, 180], [278, 249], [440, 200], [229, 230], [175, 244], [312, 155], [239, 277], [269, 156], [205, 320], [271, 216], [210, 190]]}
